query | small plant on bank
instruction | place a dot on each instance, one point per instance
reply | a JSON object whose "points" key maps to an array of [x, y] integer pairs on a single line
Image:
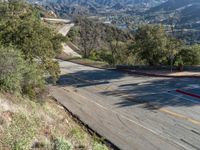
{"points": [[98, 143], [20, 133], [62, 144]]}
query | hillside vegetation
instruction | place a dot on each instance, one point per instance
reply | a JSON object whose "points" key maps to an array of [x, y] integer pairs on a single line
{"points": [[130, 14], [27, 49], [148, 45], [26, 125], [29, 118]]}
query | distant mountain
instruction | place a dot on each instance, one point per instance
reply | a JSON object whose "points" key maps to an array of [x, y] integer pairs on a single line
{"points": [[183, 14], [190, 14], [129, 14], [185, 11], [68, 7], [96, 4], [172, 5], [101, 3]]}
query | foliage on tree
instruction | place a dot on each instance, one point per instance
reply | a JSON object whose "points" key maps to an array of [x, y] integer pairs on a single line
{"points": [[21, 27], [189, 55], [99, 40], [173, 47], [24, 30], [112, 37], [11, 69], [151, 44], [18, 75], [89, 34], [33, 80]]}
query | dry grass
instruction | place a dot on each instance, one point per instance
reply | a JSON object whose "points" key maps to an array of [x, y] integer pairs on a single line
{"points": [[89, 62], [25, 124]]}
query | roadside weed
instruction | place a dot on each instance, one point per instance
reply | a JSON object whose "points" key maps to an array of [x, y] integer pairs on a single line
{"points": [[62, 144]]}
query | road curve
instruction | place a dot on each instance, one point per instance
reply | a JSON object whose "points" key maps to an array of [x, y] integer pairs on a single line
{"points": [[56, 20], [64, 31], [133, 112]]}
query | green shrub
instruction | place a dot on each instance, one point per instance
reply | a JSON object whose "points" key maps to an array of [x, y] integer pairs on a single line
{"points": [[106, 56], [99, 146], [17, 75], [78, 134], [101, 55], [151, 44], [33, 80], [190, 55], [97, 143], [11, 69], [24, 30], [62, 144]]}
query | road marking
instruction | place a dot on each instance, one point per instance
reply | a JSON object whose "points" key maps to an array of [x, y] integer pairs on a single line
{"points": [[194, 101], [189, 94], [196, 122], [126, 118]]}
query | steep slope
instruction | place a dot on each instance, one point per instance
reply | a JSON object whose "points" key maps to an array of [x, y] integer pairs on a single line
{"points": [[25, 124]]}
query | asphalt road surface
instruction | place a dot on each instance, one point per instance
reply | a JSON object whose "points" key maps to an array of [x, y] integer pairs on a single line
{"points": [[133, 112], [65, 29], [56, 20]]}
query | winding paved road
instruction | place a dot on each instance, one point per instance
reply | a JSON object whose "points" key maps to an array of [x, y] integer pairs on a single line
{"points": [[65, 29], [133, 112], [68, 24]]}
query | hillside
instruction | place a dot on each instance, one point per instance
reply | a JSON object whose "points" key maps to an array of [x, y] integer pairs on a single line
{"points": [[186, 11], [66, 7], [154, 11], [182, 14], [29, 117], [191, 14], [100, 3], [172, 5], [26, 124]]}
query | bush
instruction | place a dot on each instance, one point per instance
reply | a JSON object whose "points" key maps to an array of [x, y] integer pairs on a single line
{"points": [[33, 80], [24, 30], [11, 69], [98, 144], [23, 68], [190, 55], [101, 55], [17, 75], [151, 44], [62, 144]]}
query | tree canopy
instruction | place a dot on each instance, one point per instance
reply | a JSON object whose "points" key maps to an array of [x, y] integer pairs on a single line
{"points": [[151, 44], [22, 29]]}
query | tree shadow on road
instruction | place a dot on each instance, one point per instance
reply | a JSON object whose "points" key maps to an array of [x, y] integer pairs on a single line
{"points": [[150, 94], [87, 78], [156, 94]]}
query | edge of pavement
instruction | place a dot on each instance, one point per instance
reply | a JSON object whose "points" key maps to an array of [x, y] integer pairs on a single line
{"points": [[138, 72]]}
